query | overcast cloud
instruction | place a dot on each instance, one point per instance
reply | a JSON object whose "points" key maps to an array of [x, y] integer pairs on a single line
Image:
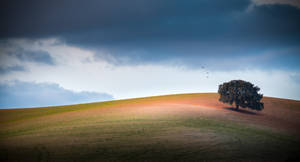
{"points": [[140, 48], [79, 70], [295, 3], [18, 94]]}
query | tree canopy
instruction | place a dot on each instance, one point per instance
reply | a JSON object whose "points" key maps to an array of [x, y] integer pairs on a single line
{"points": [[242, 94]]}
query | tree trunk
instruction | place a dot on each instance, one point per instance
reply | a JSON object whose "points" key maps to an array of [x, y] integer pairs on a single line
{"points": [[237, 107]]}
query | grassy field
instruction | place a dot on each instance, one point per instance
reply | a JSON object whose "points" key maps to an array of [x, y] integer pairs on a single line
{"points": [[184, 127]]}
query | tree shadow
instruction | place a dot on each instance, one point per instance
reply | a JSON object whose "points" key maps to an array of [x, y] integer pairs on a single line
{"points": [[241, 111]]}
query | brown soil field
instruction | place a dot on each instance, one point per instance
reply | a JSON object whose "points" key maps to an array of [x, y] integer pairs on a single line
{"points": [[185, 127]]}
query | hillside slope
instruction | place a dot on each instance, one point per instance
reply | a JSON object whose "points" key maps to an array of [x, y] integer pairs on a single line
{"points": [[180, 127]]}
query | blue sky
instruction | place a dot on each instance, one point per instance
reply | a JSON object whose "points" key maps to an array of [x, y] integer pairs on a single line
{"points": [[102, 50]]}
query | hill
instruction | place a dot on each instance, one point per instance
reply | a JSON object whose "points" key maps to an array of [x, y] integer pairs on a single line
{"points": [[184, 127]]}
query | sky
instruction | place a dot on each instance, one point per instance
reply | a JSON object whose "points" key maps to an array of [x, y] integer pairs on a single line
{"points": [[71, 51]]}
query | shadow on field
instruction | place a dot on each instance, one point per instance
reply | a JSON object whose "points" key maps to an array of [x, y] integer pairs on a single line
{"points": [[241, 111]]}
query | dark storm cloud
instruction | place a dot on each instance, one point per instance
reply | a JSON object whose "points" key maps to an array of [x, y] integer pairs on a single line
{"points": [[5, 70], [131, 18], [33, 56], [155, 30], [18, 94], [146, 20]]}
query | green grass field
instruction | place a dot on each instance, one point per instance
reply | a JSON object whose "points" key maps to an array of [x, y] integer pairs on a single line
{"points": [[186, 127]]}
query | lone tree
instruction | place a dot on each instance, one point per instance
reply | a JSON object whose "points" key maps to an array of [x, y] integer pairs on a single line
{"points": [[242, 93]]}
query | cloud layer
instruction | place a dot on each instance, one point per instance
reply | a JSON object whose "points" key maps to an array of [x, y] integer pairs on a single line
{"points": [[18, 94], [295, 3], [137, 48], [80, 69], [151, 30]]}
